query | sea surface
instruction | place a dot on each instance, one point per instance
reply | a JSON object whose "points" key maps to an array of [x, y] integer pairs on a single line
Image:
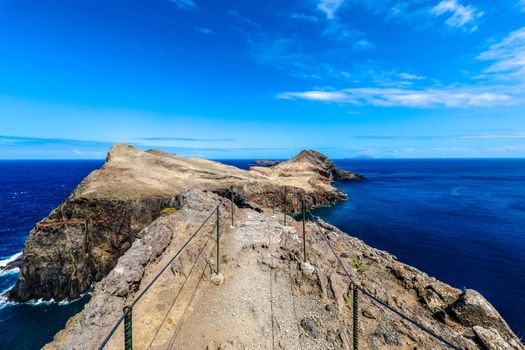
{"points": [[462, 221], [29, 190]]}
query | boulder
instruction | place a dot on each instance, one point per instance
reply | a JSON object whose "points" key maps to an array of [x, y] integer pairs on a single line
{"points": [[472, 309], [310, 327]]}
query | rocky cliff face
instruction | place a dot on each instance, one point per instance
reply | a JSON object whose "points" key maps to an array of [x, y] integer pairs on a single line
{"points": [[80, 241], [317, 162], [307, 305]]}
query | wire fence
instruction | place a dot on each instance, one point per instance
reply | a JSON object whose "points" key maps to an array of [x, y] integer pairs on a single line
{"points": [[305, 211], [128, 309], [356, 289]]}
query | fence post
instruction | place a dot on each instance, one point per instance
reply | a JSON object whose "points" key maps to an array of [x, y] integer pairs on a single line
{"points": [[218, 239], [355, 308], [284, 205], [304, 228], [128, 328], [231, 200]]}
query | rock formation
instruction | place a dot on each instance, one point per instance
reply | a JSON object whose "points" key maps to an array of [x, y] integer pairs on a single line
{"points": [[270, 298], [313, 161], [80, 241], [267, 163], [124, 222]]}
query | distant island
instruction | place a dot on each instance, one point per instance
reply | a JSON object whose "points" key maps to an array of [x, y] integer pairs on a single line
{"points": [[124, 222], [264, 162]]}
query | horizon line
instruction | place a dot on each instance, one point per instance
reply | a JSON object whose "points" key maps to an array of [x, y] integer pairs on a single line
{"points": [[278, 159]]}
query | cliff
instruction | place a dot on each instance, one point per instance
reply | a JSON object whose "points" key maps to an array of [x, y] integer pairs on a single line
{"points": [[269, 297], [113, 230], [79, 242]]}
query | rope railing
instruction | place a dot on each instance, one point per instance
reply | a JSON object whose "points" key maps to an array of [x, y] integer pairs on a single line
{"points": [[357, 288], [127, 312]]}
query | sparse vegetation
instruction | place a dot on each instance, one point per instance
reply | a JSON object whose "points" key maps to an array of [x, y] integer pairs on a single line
{"points": [[357, 263], [348, 300], [167, 211]]}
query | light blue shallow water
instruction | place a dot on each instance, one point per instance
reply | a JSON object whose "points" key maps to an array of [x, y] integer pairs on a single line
{"points": [[462, 221]]}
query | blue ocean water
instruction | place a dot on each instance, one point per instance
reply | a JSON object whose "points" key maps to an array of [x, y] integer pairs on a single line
{"points": [[462, 221], [29, 190]]}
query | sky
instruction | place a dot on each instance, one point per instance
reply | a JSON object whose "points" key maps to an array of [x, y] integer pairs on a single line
{"points": [[263, 78]]}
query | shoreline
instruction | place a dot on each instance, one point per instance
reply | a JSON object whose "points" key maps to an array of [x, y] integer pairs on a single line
{"points": [[307, 175], [403, 286]]}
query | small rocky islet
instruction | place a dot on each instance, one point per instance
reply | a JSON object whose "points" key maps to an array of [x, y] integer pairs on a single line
{"points": [[114, 233]]}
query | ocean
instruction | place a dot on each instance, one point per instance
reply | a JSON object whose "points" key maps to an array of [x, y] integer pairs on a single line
{"points": [[29, 190], [462, 221]]}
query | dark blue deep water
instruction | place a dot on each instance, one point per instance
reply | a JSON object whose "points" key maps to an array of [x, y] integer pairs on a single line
{"points": [[462, 221], [29, 190]]}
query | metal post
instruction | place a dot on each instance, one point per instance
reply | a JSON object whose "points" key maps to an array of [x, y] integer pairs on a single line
{"points": [[128, 328], [355, 308], [284, 205], [231, 199], [304, 228], [218, 239]]}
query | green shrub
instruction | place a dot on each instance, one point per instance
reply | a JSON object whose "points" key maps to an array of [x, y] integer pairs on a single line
{"points": [[358, 265], [348, 300], [167, 211]]}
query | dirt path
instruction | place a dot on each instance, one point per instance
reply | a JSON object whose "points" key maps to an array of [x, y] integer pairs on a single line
{"points": [[269, 297], [253, 308]]}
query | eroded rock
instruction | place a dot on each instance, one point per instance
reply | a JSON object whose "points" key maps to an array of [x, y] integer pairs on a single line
{"points": [[310, 326], [472, 309]]}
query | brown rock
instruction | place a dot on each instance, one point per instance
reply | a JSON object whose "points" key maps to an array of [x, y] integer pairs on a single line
{"points": [[81, 240], [472, 309]]}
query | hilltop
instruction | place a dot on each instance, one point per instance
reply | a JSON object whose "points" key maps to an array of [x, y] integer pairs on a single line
{"points": [[125, 221], [79, 242], [267, 297]]}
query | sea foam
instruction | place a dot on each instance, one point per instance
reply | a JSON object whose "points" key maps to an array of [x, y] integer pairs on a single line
{"points": [[4, 262]]}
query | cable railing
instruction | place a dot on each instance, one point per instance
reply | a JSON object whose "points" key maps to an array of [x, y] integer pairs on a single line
{"points": [[302, 216], [355, 287], [127, 316]]}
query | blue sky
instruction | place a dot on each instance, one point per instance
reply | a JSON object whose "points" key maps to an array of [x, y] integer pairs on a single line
{"points": [[251, 79]]}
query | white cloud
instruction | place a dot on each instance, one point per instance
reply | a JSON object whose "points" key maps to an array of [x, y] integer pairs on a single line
{"points": [[339, 31], [409, 76], [303, 17], [395, 97], [521, 4], [205, 31], [508, 56], [329, 7], [460, 15], [325, 96], [185, 4], [517, 135]]}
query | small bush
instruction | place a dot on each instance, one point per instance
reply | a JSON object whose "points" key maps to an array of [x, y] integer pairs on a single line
{"points": [[167, 211], [348, 300], [358, 265]]}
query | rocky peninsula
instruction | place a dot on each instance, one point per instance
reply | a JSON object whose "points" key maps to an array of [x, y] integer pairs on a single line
{"points": [[124, 222]]}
